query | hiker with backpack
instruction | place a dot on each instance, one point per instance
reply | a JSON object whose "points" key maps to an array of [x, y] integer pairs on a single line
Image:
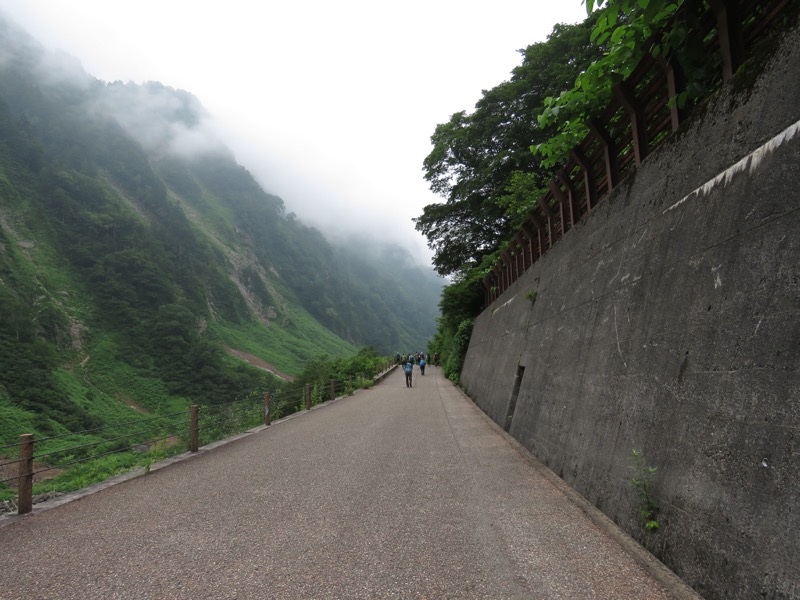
{"points": [[408, 369]]}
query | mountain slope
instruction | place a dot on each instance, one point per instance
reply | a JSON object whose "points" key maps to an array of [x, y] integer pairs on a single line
{"points": [[134, 250]]}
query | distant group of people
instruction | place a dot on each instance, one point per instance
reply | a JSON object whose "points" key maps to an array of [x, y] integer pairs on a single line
{"points": [[408, 361]]}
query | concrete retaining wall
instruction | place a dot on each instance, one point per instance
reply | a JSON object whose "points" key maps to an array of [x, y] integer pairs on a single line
{"points": [[668, 322]]}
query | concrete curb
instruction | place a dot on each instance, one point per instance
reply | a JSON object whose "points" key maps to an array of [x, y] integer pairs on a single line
{"points": [[654, 567]]}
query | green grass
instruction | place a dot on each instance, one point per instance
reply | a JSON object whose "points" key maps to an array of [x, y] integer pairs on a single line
{"points": [[288, 345], [82, 459], [14, 421], [112, 378], [130, 439], [123, 399], [116, 396], [82, 475]]}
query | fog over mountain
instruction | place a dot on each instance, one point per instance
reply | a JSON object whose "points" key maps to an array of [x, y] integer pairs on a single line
{"points": [[356, 287], [329, 105], [162, 119]]}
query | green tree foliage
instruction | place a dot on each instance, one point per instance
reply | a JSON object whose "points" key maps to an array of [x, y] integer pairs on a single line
{"points": [[31, 331], [357, 370], [481, 161], [629, 29], [367, 362], [482, 165], [460, 303]]}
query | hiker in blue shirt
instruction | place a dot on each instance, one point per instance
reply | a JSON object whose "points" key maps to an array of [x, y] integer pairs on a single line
{"points": [[408, 369]]}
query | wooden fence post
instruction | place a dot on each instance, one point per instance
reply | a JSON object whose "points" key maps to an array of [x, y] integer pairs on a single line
{"points": [[610, 153], [25, 465], [589, 179], [267, 418], [676, 83], [637, 117], [194, 429], [729, 34], [308, 396]]}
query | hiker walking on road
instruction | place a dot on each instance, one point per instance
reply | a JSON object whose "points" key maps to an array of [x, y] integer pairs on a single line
{"points": [[422, 366], [408, 369]]}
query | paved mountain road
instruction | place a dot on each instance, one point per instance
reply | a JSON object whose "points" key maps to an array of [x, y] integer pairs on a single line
{"points": [[390, 493]]}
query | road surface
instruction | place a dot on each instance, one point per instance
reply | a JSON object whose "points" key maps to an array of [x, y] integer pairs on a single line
{"points": [[393, 492]]}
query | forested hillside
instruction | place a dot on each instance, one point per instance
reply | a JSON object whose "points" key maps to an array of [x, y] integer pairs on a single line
{"points": [[134, 251]]}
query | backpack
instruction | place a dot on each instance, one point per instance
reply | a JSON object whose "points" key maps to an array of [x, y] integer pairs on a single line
{"points": [[407, 368]]}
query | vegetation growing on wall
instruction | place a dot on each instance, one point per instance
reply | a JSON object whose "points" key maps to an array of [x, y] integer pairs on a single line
{"points": [[643, 481]]}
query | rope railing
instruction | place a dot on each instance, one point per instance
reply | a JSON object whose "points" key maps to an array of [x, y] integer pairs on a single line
{"points": [[81, 448], [208, 423], [643, 113], [109, 425], [114, 424], [8, 447]]}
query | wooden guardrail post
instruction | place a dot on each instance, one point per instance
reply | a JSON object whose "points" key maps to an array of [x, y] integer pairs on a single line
{"points": [[729, 34], [636, 114], [333, 389], [267, 418], [25, 465], [194, 429], [308, 396]]}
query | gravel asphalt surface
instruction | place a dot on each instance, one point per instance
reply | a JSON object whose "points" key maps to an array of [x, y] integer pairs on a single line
{"points": [[389, 493]]}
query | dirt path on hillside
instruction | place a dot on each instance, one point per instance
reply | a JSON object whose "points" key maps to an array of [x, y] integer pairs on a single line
{"points": [[261, 364]]}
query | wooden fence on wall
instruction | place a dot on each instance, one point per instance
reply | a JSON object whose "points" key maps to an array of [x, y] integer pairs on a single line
{"points": [[642, 114]]}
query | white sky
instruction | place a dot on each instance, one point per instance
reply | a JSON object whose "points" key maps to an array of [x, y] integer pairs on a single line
{"points": [[330, 104]]}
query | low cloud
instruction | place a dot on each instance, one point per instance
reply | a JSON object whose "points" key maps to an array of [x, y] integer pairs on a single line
{"points": [[162, 119], [336, 180]]}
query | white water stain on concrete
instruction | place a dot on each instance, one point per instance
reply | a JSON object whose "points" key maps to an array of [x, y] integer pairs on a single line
{"points": [[504, 304], [748, 164], [717, 277]]}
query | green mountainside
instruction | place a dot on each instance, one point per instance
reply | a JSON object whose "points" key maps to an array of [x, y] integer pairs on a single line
{"points": [[135, 253]]}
